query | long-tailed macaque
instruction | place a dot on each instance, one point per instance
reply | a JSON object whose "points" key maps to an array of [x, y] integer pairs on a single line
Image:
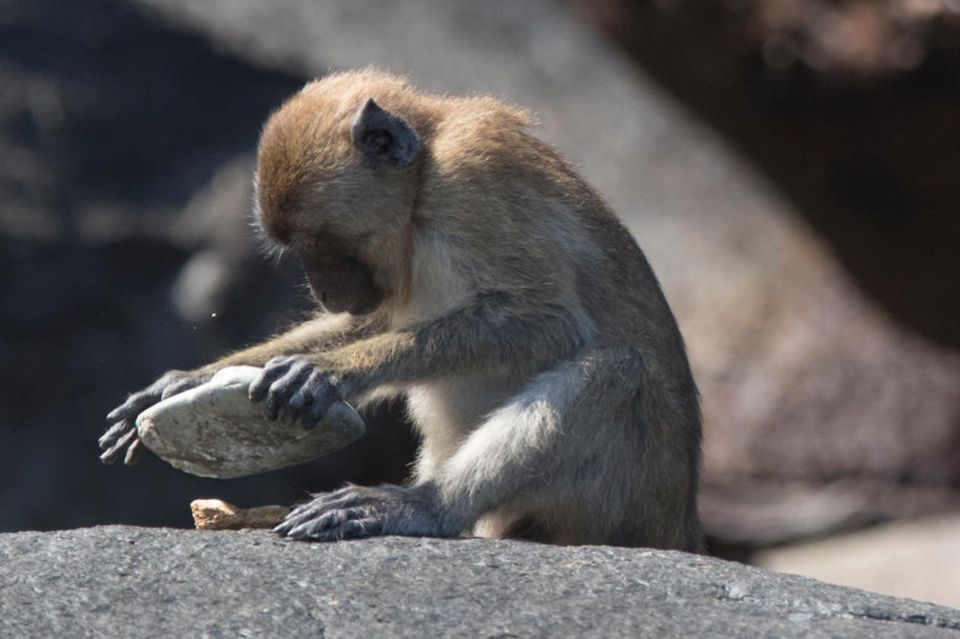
{"points": [[460, 261]]}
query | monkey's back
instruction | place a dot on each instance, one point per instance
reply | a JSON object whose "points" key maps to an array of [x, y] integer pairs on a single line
{"points": [[548, 232]]}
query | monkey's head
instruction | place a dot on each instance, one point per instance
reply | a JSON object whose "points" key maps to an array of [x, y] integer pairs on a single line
{"points": [[336, 184]]}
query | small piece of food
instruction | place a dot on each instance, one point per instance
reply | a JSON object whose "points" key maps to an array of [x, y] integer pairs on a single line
{"points": [[214, 514], [214, 430]]}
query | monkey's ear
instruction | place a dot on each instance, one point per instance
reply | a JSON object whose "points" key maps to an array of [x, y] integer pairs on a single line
{"points": [[384, 139]]}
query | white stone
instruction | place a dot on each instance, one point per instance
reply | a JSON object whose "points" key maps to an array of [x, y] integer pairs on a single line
{"points": [[214, 430]]}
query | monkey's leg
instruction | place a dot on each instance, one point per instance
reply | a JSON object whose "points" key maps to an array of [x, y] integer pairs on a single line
{"points": [[515, 449], [593, 451], [597, 452], [568, 450]]}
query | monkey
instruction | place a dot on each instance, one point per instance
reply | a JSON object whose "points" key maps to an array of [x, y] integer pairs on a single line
{"points": [[459, 261]]}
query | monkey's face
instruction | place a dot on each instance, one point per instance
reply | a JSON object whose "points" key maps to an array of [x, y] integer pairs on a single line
{"points": [[341, 283], [335, 184]]}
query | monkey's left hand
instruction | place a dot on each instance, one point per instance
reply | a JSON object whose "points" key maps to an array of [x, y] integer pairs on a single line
{"points": [[297, 388], [121, 438], [358, 511]]}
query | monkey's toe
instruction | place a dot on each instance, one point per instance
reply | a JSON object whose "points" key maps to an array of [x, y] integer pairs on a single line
{"points": [[350, 529], [315, 524]]}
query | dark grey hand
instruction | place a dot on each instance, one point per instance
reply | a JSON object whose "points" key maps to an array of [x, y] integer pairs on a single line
{"points": [[121, 437], [297, 389]]}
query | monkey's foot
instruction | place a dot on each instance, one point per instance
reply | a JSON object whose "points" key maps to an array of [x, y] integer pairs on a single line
{"points": [[354, 512]]}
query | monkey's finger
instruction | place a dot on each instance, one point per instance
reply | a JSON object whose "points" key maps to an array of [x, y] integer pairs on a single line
{"points": [[283, 389], [260, 386], [303, 397], [133, 406], [179, 386], [324, 394], [313, 527], [293, 520], [304, 525], [329, 520], [353, 529], [110, 456], [120, 412], [133, 453], [330, 501], [346, 492], [359, 528], [113, 454], [300, 400], [307, 512], [115, 431], [301, 514]]}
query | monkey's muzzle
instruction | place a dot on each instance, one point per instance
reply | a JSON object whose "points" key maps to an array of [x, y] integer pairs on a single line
{"points": [[343, 286]]}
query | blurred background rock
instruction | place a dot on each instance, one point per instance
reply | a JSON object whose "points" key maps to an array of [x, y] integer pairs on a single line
{"points": [[789, 166]]}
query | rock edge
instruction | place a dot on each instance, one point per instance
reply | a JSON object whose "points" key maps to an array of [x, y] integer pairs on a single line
{"points": [[138, 582]]}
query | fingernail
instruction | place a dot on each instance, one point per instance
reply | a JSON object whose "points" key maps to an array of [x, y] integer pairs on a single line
{"points": [[133, 453]]}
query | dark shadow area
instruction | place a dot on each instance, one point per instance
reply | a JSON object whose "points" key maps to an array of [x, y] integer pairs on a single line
{"points": [[870, 161], [110, 123]]}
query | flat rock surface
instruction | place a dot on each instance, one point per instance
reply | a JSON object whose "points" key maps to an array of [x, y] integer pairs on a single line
{"points": [[141, 582]]}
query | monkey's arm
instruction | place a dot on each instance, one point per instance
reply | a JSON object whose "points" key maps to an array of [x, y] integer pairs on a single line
{"points": [[318, 335], [494, 332], [488, 335], [322, 333]]}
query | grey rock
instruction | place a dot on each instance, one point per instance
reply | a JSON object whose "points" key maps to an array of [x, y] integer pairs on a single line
{"points": [[138, 582], [214, 430]]}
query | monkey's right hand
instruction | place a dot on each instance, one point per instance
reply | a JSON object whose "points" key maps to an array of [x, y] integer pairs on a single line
{"points": [[121, 437], [296, 388]]}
